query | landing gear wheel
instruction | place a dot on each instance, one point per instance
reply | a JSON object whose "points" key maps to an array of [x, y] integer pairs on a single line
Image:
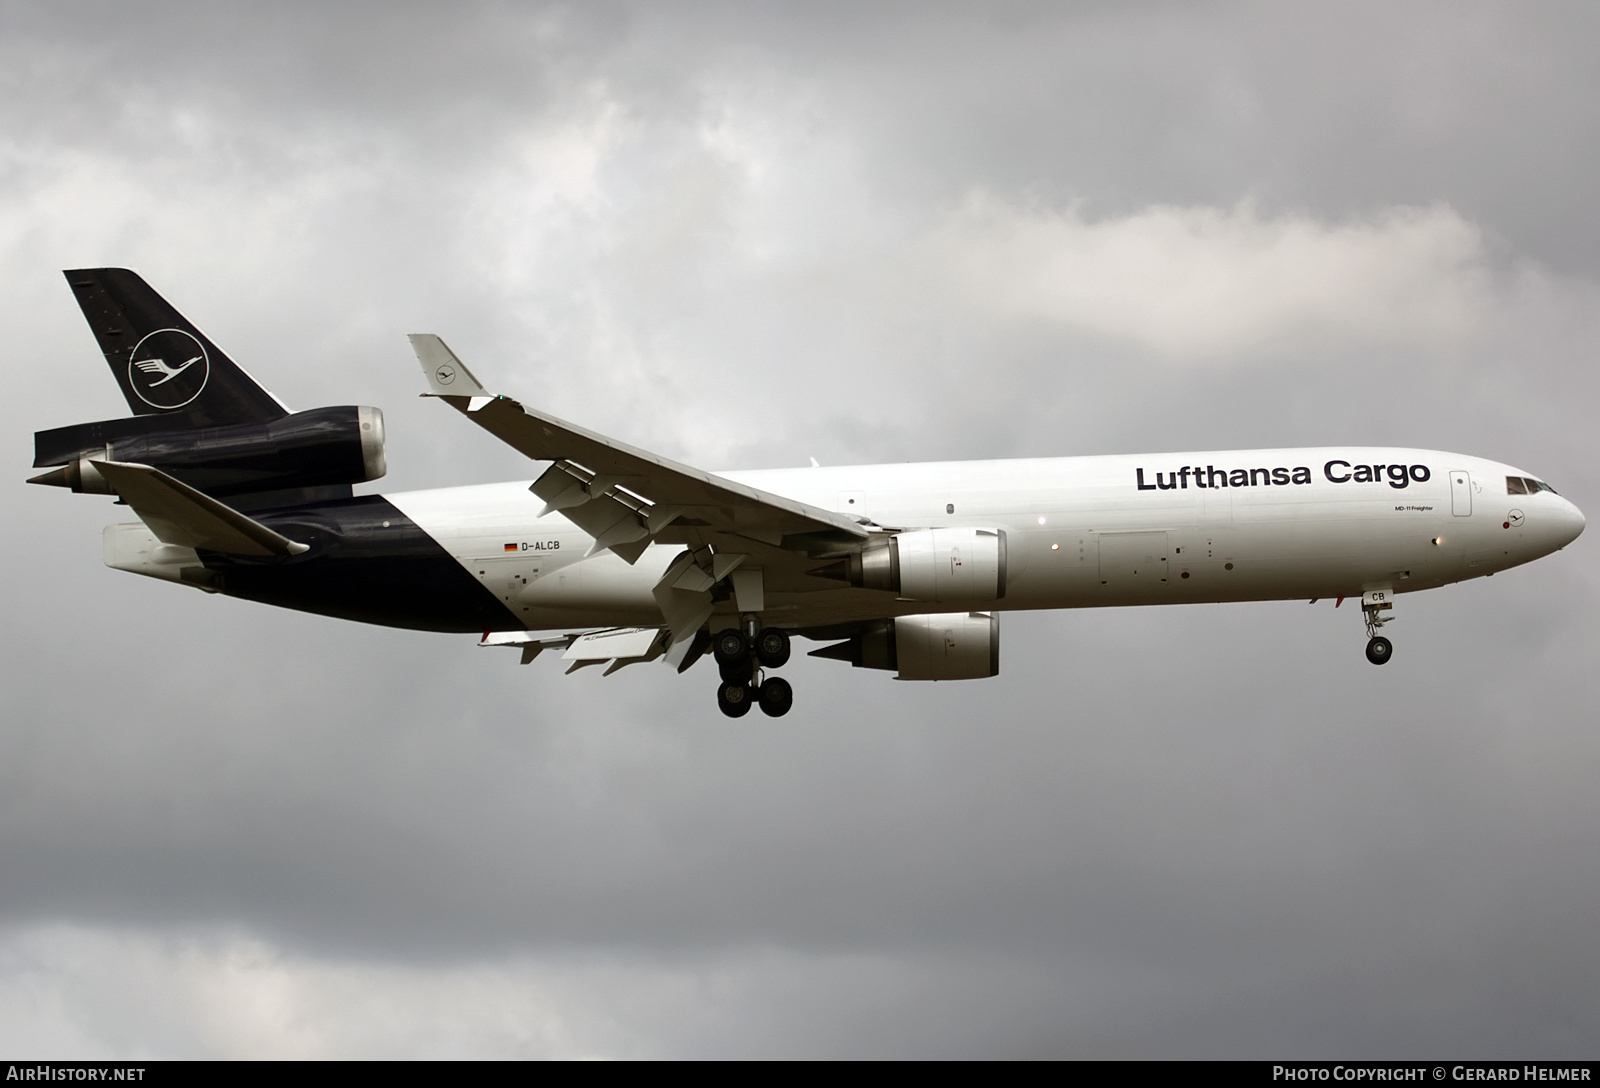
{"points": [[776, 696], [732, 651], [730, 646], [1379, 650], [772, 647], [734, 699]]}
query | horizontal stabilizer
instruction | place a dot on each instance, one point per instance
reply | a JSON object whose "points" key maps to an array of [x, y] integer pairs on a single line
{"points": [[178, 514]]}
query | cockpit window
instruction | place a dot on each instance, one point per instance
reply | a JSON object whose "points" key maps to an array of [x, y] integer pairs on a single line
{"points": [[1526, 485]]}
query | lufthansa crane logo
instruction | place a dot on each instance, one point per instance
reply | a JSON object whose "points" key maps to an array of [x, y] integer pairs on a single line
{"points": [[168, 368], [445, 374]]}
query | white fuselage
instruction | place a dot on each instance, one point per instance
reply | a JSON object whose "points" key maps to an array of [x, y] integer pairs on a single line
{"points": [[1080, 531]]}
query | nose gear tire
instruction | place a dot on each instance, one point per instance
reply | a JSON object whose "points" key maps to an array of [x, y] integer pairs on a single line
{"points": [[1379, 650]]}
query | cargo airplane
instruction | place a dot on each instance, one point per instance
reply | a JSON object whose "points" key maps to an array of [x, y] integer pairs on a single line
{"points": [[614, 556]]}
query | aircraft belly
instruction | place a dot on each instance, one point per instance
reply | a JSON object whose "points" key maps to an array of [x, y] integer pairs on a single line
{"points": [[367, 562]]}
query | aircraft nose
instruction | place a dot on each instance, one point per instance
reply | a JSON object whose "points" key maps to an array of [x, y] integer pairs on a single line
{"points": [[1570, 523]]}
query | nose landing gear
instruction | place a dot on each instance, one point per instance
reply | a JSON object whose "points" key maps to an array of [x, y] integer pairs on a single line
{"points": [[741, 657], [1373, 602]]}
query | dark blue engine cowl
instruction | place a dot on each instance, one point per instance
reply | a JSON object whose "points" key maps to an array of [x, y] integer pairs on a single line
{"points": [[316, 449]]}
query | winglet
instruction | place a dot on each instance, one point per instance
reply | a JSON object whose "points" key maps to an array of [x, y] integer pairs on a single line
{"points": [[447, 376]]}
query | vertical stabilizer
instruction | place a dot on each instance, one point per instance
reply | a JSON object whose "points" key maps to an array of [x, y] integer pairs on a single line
{"points": [[164, 365]]}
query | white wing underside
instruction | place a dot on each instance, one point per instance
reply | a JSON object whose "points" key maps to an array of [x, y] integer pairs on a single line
{"points": [[614, 647]]}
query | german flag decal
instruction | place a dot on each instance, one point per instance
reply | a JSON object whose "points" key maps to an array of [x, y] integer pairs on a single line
{"points": [[511, 547]]}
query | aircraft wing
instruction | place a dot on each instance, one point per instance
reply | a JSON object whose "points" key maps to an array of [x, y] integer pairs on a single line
{"points": [[626, 498]]}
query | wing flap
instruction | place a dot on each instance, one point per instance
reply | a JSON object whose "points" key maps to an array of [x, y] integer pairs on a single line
{"points": [[531, 643], [614, 644], [613, 647]]}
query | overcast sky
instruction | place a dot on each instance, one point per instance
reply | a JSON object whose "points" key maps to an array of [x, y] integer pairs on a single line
{"points": [[744, 235]]}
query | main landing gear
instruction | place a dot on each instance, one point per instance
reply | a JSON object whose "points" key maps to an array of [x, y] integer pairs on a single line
{"points": [[741, 659]]}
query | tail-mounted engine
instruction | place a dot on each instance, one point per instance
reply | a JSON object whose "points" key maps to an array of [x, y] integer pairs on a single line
{"points": [[318, 448], [945, 646], [956, 564]]}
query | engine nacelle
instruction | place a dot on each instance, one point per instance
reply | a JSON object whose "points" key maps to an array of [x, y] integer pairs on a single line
{"points": [[341, 445], [955, 564], [947, 646], [944, 646]]}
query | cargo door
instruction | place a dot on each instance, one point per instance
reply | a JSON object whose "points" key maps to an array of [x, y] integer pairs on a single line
{"points": [[1133, 560]]}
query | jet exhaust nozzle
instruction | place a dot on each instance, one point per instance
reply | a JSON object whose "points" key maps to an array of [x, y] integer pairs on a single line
{"points": [[79, 475]]}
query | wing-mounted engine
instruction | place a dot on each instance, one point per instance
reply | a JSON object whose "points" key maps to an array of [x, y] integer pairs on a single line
{"points": [[943, 646], [321, 448], [951, 564]]}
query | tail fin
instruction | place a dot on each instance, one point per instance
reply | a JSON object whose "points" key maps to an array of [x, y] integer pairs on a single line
{"points": [[164, 364]]}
